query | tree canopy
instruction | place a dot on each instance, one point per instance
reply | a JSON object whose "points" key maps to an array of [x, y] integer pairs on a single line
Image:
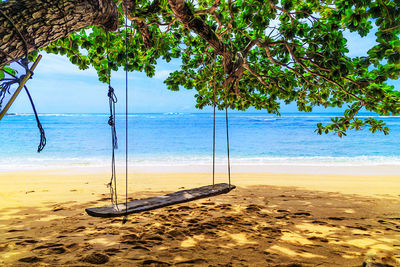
{"points": [[256, 53]]}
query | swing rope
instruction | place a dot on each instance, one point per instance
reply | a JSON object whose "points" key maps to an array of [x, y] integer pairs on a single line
{"points": [[126, 117], [214, 105], [227, 136], [5, 86], [227, 144], [112, 100], [42, 143], [227, 129]]}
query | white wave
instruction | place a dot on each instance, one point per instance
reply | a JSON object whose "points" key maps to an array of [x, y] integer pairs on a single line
{"points": [[173, 113], [76, 162]]}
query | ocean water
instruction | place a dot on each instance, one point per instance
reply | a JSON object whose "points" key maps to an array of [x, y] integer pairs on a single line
{"points": [[81, 140]]}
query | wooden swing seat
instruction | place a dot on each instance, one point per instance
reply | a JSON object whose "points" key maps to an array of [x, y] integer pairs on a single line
{"points": [[152, 203]]}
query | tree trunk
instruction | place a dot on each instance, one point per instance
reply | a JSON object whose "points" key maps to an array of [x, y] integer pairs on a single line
{"points": [[41, 22]]}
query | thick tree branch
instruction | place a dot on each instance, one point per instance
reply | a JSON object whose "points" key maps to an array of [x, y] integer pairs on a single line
{"points": [[183, 13], [146, 34], [210, 10], [261, 79], [43, 22]]}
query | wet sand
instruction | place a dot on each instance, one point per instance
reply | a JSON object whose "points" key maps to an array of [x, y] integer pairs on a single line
{"points": [[269, 220]]}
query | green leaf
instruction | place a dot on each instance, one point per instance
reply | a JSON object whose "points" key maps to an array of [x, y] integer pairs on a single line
{"points": [[297, 57]]}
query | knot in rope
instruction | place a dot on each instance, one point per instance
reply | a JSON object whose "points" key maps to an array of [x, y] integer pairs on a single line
{"points": [[111, 95], [111, 120], [24, 62], [112, 99], [112, 185]]}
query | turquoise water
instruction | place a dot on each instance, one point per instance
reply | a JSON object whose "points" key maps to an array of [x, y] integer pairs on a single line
{"points": [[186, 139]]}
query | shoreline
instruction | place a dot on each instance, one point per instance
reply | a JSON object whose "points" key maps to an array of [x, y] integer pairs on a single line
{"points": [[321, 168]]}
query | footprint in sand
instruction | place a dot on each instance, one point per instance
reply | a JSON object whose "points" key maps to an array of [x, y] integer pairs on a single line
{"points": [[302, 213], [336, 218], [319, 222], [193, 262], [155, 263], [130, 239], [208, 203], [80, 228], [224, 206], [254, 208], [174, 234], [357, 227], [58, 208], [26, 242], [271, 229], [112, 251], [181, 208], [59, 250], [320, 239], [48, 245], [15, 230], [95, 258], [193, 220], [32, 259], [72, 246], [282, 211], [140, 248], [155, 238], [51, 248]]}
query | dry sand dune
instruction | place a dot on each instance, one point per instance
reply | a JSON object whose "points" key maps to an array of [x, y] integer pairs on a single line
{"points": [[43, 223]]}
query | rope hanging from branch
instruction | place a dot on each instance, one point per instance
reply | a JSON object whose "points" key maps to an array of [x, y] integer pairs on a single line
{"points": [[227, 144], [214, 103], [126, 117], [111, 121], [112, 100], [214, 106], [7, 83]]}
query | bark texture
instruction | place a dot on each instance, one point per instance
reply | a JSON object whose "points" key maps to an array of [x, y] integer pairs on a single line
{"points": [[44, 21], [183, 13], [189, 20]]}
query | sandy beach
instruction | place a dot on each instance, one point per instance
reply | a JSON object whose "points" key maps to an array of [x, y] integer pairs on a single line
{"points": [[271, 219]]}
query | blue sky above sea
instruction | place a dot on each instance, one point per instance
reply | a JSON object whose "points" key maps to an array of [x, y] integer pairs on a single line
{"points": [[59, 86]]}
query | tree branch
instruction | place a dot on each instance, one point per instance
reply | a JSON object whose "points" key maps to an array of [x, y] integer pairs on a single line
{"points": [[261, 79], [210, 10], [182, 11], [28, 17]]}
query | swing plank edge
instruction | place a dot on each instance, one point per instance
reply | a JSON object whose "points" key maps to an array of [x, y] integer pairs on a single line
{"points": [[152, 203]]}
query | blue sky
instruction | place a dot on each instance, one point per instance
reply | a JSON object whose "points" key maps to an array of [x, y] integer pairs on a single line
{"points": [[60, 87]]}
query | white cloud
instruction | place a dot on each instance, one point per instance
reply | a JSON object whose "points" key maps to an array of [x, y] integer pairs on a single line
{"points": [[162, 74], [60, 65]]}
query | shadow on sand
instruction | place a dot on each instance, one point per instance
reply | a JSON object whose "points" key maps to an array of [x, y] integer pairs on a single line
{"points": [[253, 226]]}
